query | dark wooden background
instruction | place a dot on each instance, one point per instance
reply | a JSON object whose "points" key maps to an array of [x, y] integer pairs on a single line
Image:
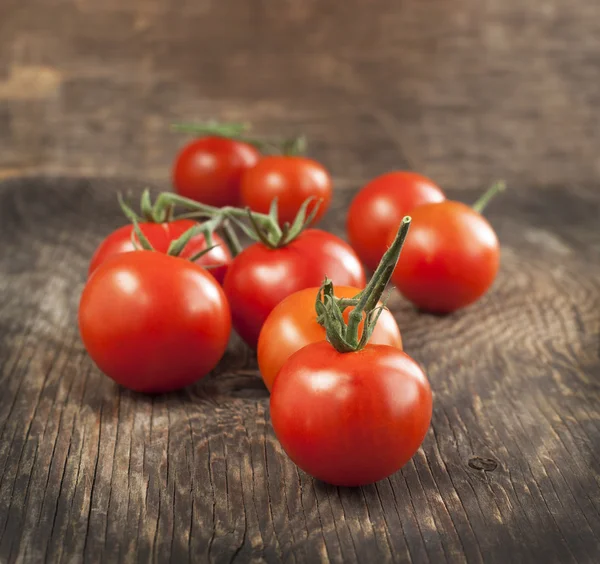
{"points": [[465, 91]]}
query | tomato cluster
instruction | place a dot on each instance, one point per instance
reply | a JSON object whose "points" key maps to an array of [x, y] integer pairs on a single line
{"points": [[163, 293]]}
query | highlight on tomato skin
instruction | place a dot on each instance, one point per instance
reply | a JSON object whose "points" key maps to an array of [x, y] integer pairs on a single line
{"points": [[376, 211], [210, 169], [152, 322], [160, 236], [450, 259], [350, 419], [293, 325]]}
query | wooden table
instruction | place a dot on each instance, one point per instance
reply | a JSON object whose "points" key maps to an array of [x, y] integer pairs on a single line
{"points": [[464, 91]]}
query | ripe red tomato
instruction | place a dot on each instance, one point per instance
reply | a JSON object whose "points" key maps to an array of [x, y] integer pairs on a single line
{"points": [[350, 419], [153, 322], [380, 206], [260, 277], [293, 325], [160, 236], [209, 170], [450, 257], [290, 179]]}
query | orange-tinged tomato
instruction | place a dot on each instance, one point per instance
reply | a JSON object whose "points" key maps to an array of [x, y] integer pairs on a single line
{"points": [[293, 324]]}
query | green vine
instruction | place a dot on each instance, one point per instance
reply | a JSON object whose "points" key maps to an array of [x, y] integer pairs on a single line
{"points": [[344, 336]]}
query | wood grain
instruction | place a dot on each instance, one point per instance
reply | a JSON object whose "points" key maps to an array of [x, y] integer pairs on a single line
{"points": [[509, 469], [466, 92]]}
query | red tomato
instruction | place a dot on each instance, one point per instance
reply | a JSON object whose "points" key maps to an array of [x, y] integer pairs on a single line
{"points": [[450, 257], [293, 325], [380, 206], [290, 179], [160, 236], [152, 322], [259, 277], [209, 170], [350, 419]]}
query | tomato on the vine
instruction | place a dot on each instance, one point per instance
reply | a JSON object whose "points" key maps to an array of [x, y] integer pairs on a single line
{"points": [[260, 277], [289, 178], [209, 170], [160, 236], [353, 418], [378, 208], [153, 322], [346, 411], [293, 325], [450, 259]]}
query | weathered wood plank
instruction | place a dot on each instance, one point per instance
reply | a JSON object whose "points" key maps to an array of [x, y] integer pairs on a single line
{"points": [[465, 92], [508, 470]]}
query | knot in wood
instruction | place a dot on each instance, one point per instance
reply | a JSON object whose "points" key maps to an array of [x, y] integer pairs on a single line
{"points": [[485, 464]]}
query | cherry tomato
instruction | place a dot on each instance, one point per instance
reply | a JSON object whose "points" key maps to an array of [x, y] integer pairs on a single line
{"points": [[350, 419], [380, 206], [160, 236], [293, 325], [209, 170], [450, 257], [260, 277], [290, 179], [153, 322]]}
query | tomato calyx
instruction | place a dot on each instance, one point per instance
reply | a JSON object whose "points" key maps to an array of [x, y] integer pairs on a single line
{"points": [[159, 212], [344, 337], [261, 227], [294, 146], [265, 227], [489, 194], [140, 241], [162, 211]]}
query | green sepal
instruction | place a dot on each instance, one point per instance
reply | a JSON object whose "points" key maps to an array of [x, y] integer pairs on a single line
{"points": [[199, 254], [176, 247], [127, 210], [141, 238], [329, 309], [146, 205]]}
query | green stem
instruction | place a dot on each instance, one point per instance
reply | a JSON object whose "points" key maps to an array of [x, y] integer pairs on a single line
{"points": [[231, 129], [231, 239], [490, 193], [264, 221], [344, 336], [292, 146], [371, 295], [169, 199]]}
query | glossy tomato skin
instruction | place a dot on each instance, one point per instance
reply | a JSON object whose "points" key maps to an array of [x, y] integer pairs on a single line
{"points": [[259, 277], [160, 236], [153, 323], [450, 258], [290, 179], [209, 170], [379, 208], [350, 419], [293, 325]]}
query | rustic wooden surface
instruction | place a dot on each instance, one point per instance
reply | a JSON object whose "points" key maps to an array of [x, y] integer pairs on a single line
{"points": [[465, 91]]}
